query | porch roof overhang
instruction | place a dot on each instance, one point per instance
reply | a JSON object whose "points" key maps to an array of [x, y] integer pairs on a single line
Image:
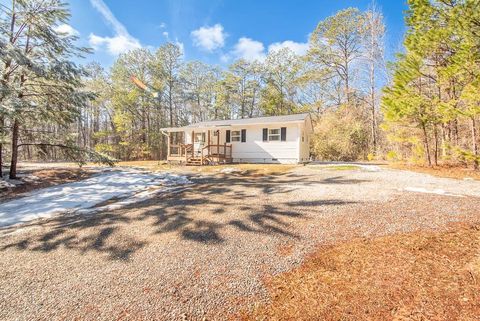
{"points": [[191, 128]]}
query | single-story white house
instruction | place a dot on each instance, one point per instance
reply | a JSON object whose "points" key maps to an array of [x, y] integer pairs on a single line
{"points": [[272, 139]]}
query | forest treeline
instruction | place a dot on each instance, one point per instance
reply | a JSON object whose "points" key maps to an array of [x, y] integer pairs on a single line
{"points": [[432, 105], [339, 69], [422, 107]]}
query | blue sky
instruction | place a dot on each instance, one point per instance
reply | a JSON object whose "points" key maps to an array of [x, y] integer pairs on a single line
{"points": [[214, 31]]}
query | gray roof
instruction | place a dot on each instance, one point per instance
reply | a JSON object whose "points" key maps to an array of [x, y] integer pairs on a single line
{"points": [[248, 121]]}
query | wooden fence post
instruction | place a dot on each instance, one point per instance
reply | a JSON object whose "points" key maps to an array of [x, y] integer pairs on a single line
{"points": [[168, 144]]}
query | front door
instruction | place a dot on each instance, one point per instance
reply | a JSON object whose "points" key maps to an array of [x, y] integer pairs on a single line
{"points": [[199, 143]]}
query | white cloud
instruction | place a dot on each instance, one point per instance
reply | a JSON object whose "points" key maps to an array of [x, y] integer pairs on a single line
{"points": [[163, 25], [249, 49], [297, 47], [209, 38], [121, 42], [225, 58], [67, 30], [165, 34], [115, 45], [101, 7]]}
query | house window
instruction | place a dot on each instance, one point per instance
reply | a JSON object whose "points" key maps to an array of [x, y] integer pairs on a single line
{"points": [[199, 137], [236, 135], [274, 134], [176, 138]]}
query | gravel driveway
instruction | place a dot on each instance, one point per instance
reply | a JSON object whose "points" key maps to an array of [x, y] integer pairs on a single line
{"points": [[203, 252]]}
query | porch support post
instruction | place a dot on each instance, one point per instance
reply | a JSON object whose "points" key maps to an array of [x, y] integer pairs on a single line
{"points": [[184, 148], [168, 144], [193, 143]]}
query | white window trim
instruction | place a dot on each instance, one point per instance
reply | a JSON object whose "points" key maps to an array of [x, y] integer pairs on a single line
{"points": [[236, 138], [274, 135]]}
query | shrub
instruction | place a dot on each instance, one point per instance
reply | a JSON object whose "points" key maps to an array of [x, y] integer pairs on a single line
{"points": [[391, 156], [340, 136]]}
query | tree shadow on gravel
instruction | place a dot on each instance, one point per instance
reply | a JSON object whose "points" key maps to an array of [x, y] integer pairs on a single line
{"points": [[99, 233], [202, 213]]}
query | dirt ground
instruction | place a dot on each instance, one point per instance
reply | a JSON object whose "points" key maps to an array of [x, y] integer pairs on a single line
{"points": [[414, 276], [440, 171], [213, 250]]}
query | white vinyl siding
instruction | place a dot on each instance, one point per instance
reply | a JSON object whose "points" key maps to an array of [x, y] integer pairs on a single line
{"points": [[255, 150]]}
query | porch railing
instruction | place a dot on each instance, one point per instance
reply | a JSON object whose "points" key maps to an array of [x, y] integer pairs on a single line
{"points": [[186, 151], [219, 151], [181, 150]]}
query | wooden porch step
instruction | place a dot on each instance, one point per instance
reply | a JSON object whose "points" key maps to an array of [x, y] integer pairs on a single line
{"points": [[194, 162]]}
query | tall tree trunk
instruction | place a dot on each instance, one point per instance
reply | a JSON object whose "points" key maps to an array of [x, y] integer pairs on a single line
{"points": [[5, 79], [144, 123], [372, 97], [455, 131], [435, 155], [444, 141], [252, 109], [15, 129], [14, 159], [427, 145], [347, 83], [170, 103], [474, 142]]}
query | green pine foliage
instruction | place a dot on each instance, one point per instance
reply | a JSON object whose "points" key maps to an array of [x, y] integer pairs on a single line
{"points": [[435, 89], [39, 83]]}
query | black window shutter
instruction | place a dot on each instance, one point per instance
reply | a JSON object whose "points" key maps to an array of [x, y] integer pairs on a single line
{"points": [[265, 134], [244, 135], [227, 139], [283, 134]]}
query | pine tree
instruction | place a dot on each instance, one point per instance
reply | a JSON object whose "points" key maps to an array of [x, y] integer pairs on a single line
{"points": [[40, 83], [336, 44], [436, 82]]}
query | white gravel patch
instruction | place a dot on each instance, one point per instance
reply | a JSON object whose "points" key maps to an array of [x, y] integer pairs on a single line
{"points": [[71, 197], [435, 191], [372, 185]]}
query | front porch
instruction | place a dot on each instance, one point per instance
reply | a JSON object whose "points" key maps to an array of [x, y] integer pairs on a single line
{"points": [[202, 147]]}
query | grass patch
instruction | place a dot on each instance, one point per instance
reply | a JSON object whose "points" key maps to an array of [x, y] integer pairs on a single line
{"points": [[161, 165], [255, 169], [343, 167], [244, 169], [416, 276]]}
